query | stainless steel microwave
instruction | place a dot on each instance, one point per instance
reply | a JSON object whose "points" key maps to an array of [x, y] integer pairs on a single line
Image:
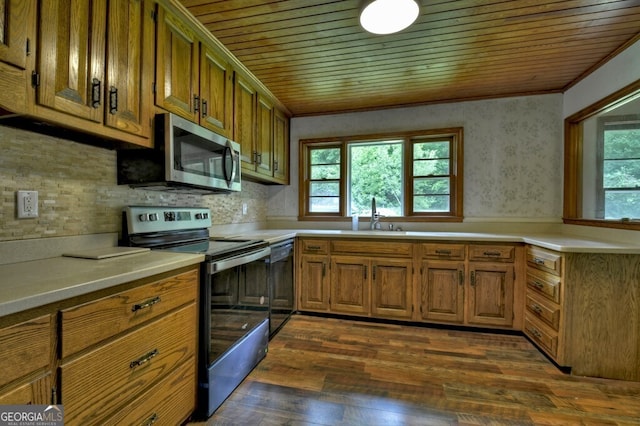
{"points": [[187, 157]]}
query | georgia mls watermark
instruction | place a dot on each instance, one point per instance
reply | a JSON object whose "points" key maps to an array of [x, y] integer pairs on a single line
{"points": [[31, 415]]}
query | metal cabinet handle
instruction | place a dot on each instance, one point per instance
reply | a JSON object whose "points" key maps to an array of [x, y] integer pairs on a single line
{"points": [[473, 279], [461, 277], [259, 158], [145, 304], [151, 420], [324, 268], [275, 165], [365, 271], [313, 247], [96, 91], [538, 261], [204, 107], [535, 333], [144, 359], [538, 285], [113, 100], [373, 272], [536, 309], [491, 253], [443, 252], [196, 103]]}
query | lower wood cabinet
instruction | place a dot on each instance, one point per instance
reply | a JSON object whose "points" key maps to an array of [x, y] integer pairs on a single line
{"points": [[490, 300], [25, 356], [313, 282], [118, 356], [354, 282], [454, 289]]}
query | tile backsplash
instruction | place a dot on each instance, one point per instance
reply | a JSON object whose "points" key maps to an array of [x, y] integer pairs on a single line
{"points": [[78, 193]]}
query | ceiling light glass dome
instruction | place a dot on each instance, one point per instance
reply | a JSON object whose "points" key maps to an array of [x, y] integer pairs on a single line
{"points": [[388, 16]]}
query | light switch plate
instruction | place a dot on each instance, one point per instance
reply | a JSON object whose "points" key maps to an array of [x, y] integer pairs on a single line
{"points": [[27, 204]]}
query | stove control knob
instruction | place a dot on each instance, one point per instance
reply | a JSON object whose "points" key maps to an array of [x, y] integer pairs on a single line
{"points": [[153, 217], [198, 215], [143, 217]]}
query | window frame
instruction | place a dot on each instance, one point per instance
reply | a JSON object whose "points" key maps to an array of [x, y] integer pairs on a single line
{"points": [[455, 135], [573, 169]]}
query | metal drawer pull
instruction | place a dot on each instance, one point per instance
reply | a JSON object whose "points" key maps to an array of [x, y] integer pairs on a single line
{"points": [[443, 252], [144, 359], [535, 332], [151, 420], [537, 309], [538, 261], [538, 285], [473, 279], [491, 253], [313, 247], [148, 303]]}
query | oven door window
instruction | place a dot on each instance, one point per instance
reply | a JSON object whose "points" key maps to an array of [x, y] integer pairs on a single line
{"points": [[239, 303]]}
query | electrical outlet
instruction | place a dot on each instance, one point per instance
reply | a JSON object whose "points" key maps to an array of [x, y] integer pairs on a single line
{"points": [[27, 204], [245, 209]]}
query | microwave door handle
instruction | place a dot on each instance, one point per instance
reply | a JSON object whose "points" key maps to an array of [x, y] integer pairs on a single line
{"points": [[228, 152]]}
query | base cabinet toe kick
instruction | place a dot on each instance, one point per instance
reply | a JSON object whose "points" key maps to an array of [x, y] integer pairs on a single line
{"points": [[579, 309]]}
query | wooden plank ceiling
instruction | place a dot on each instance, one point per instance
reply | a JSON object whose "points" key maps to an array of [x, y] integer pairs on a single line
{"points": [[316, 59]]}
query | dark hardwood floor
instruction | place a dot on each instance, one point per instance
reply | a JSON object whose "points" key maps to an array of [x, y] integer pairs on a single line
{"points": [[325, 371]]}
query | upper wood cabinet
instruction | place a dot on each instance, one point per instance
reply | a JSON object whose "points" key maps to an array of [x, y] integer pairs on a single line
{"points": [[177, 66], [263, 133], [83, 74], [216, 92], [280, 147], [71, 57], [17, 44], [193, 79], [245, 98], [129, 77], [15, 41]]}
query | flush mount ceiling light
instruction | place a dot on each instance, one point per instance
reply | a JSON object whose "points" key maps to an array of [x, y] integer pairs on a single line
{"points": [[388, 16]]}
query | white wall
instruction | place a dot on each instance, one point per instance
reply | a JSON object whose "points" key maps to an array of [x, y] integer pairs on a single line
{"points": [[512, 153], [619, 72]]}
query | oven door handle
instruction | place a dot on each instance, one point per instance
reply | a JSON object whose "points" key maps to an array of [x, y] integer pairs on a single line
{"points": [[243, 259]]}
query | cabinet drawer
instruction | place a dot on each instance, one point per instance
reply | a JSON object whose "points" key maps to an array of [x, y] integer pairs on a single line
{"points": [[544, 284], [92, 322], [491, 253], [97, 383], [544, 260], [25, 348], [37, 392], [543, 336], [442, 251], [371, 248], [169, 402], [315, 246], [545, 311]]}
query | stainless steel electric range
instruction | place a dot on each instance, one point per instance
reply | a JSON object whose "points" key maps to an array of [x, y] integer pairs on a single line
{"points": [[234, 305]]}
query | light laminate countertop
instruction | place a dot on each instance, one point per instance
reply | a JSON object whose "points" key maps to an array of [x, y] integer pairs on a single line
{"points": [[26, 285], [559, 242]]}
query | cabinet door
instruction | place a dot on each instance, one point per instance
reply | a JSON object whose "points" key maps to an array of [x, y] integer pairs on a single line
{"points": [[313, 282], [177, 69], [442, 291], [71, 57], [216, 92], [281, 147], [244, 115], [490, 294], [264, 142], [15, 23], [391, 288], [350, 278], [129, 66]]}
